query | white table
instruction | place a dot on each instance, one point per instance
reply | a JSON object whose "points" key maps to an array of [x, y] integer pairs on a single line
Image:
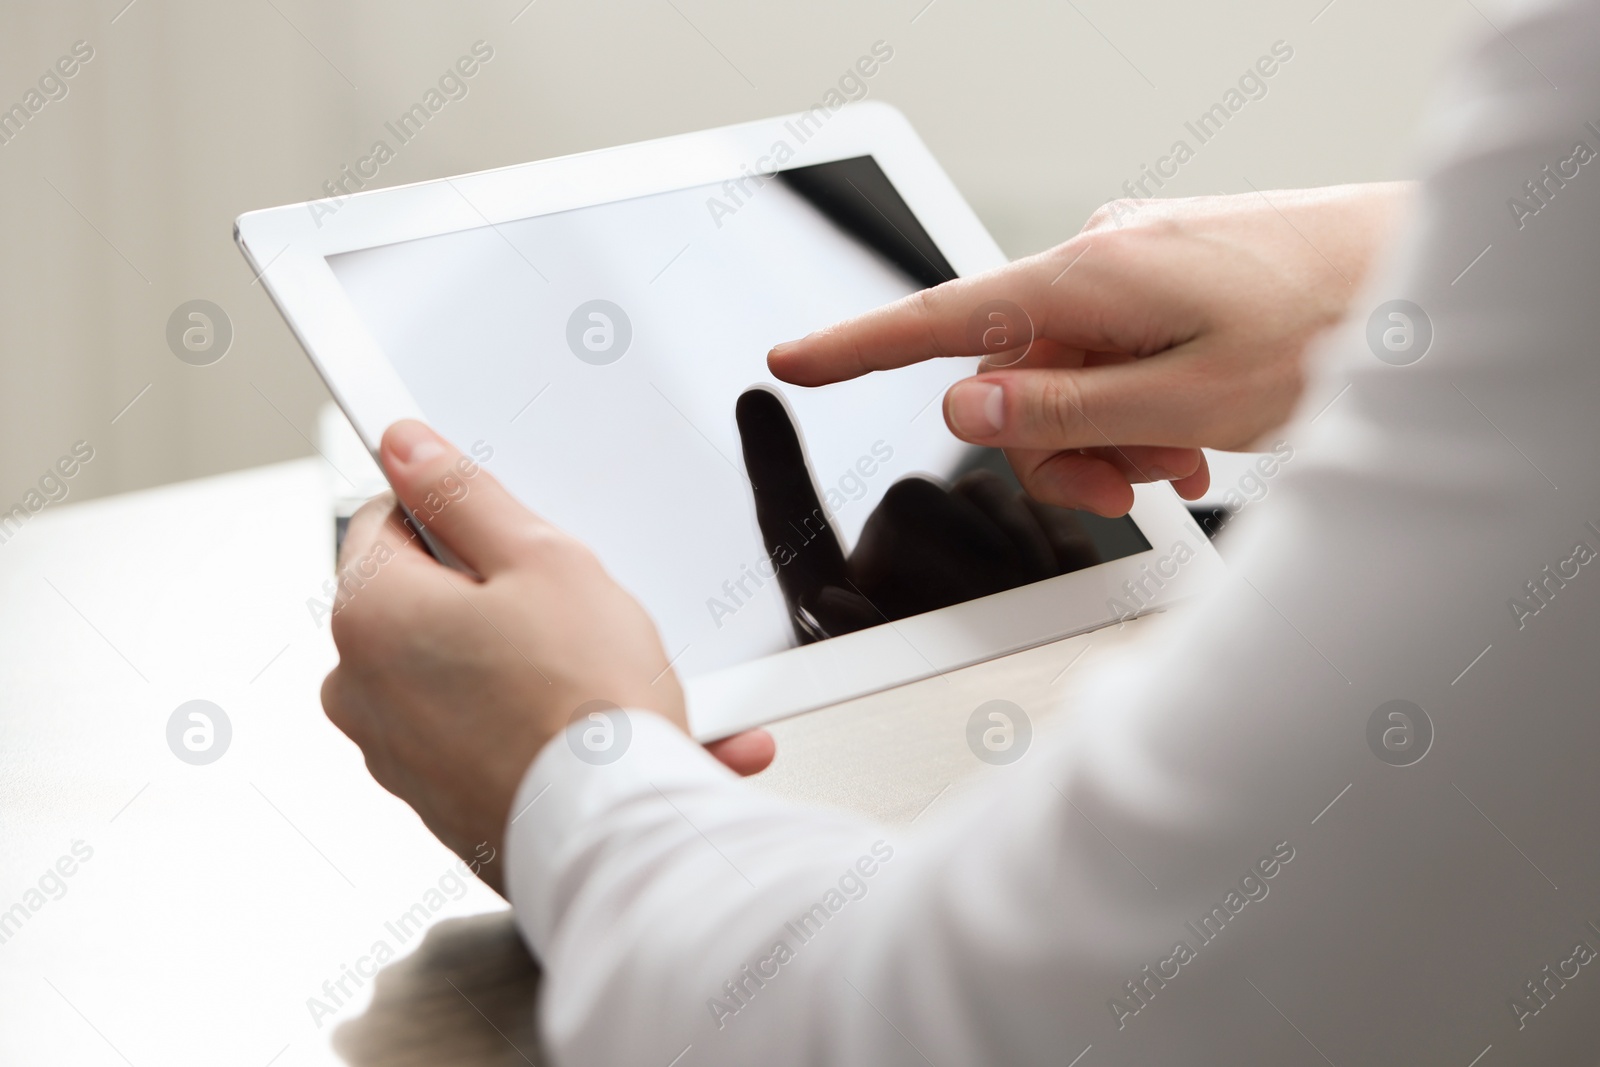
{"points": [[219, 898]]}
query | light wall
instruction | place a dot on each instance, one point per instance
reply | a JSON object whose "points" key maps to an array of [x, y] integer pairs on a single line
{"points": [[120, 197]]}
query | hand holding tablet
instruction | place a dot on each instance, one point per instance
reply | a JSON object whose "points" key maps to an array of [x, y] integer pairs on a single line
{"points": [[586, 327], [451, 684]]}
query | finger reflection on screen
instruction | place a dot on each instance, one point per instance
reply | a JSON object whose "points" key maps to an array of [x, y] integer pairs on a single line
{"points": [[926, 545]]}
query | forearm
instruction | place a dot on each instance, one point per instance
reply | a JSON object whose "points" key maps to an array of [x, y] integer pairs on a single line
{"points": [[658, 888], [1218, 864]]}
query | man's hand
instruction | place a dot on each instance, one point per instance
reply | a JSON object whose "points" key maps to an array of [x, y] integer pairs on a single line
{"points": [[1164, 327], [452, 684]]}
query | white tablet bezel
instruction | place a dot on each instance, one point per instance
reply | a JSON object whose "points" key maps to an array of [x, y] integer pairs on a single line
{"points": [[288, 248]]}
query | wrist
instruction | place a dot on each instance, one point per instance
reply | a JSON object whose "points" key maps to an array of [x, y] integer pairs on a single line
{"points": [[1347, 228]]}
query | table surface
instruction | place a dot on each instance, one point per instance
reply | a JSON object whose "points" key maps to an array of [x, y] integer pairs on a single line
{"points": [[217, 899]]}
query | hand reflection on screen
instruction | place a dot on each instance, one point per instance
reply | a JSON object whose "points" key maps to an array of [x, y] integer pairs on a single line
{"points": [[923, 547]]}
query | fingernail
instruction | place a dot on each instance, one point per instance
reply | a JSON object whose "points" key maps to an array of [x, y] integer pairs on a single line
{"points": [[412, 443], [780, 349], [1160, 474], [977, 408]]}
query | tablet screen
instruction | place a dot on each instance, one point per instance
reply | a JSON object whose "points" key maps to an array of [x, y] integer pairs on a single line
{"points": [[610, 364]]}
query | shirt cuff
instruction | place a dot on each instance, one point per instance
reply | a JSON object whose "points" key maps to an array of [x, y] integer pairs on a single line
{"points": [[598, 766]]}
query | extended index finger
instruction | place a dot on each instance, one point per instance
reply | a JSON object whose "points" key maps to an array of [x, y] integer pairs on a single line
{"points": [[987, 314]]}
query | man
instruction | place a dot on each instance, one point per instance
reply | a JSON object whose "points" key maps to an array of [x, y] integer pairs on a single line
{"points": [[1347, 817]]}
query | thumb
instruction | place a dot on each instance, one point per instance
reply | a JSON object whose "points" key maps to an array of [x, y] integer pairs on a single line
{"points": [[1146, 402], [745, 754], [452, 497]]}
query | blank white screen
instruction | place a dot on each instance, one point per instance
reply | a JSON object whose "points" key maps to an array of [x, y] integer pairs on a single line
{"points": [[641, 458]]}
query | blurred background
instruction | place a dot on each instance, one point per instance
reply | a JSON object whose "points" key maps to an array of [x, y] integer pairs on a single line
{"points": [[120, 184]]}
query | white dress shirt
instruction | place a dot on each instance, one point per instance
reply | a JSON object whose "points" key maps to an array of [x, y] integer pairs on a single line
{"points": [[1210, 862]]}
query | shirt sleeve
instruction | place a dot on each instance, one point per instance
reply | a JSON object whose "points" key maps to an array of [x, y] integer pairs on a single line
{"points": [[1342, 812]]}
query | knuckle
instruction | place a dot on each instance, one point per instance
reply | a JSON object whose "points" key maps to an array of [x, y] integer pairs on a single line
{"points": [[862, 357], [927, 312], [1058, 407], [537, 540], [570, 554], [335, 704], [542, 546], [366, 597], [1114, 214], [343, 627], [349, 623], [1132, 220]]}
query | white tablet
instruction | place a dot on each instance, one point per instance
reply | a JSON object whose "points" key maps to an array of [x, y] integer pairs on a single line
{"points": [[596, 328]]}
